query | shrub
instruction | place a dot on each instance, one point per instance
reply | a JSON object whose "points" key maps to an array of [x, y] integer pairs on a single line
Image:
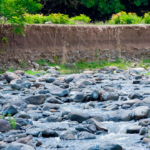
{"points": [[147, 18], [124, 18], [82, 17]]}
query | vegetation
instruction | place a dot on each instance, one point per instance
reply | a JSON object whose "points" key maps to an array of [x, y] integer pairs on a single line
{"points": [[11, 120]]}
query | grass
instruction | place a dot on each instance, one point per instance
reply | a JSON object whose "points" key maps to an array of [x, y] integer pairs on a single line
{"points": [[83, 65]]}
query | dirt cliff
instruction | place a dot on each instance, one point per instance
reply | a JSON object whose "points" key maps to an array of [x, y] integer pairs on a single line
{"points": [[65, 43]]}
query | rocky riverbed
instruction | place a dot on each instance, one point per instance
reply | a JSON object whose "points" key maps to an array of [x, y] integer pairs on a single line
{"points": [[107, 109]]}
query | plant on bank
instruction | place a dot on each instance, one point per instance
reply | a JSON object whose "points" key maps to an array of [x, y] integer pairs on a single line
{"points": [[11, 120], [125, 18], [147, 18], [82, 18]]}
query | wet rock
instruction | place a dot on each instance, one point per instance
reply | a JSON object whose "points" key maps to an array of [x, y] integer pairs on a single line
{"points": [[106, 147], [143, 131], [33, 131], [50, 79], [146, 140], [20, 84], [133, 129], [141, 112], [68, 135], [110, 96], [77, 116], [53, 100], [49, 133], [19, 146], [55, 90], [4, 125], [39, 143], [79, 77], [86, 135], [53, 119], [9, 109], [76, 96], [9, 76], [36, 99], [21, 121], [25, 140], [89, 105], [84, 82], [97, 124], [94, 95]]}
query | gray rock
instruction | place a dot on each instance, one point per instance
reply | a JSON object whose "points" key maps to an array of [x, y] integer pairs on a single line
{"points": [[110, 96], [133, 129], [77, 116], [33, 131], [4, 125], [50, 79], [94, 95], [53, 100], [9, 76], [141, 112], [79, 77], [36, 99], [25, 140], [143, 131], [76, 96], [19, 146], [49, 133], [36, 66], [9, 109], [55, 90], [20, 84], [86, 135], [68, 135], [107, 146], [53, 71]]}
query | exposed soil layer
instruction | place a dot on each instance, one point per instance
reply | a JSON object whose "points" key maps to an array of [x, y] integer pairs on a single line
{"points": [[65, 43]]}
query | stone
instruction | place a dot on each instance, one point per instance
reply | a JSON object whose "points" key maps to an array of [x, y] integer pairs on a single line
{"points": [[19, 146], [110, 96], [133, 129], [50, 79], [4, 125], [67, 135], [94, 95], [9, 76], [19, 72], [33, 131], [141, 112], [57, 68], [9, 109], [143, 131], [76, 96], [53, 100], [86, 135], [77, 116], [97, 124], [20, 84], [25, 140], [106, 146], [146, 140], [36, 99], [49, 133], [36, 66], [53, 71]]}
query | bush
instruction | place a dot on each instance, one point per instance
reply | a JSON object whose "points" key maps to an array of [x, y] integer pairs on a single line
{"points": [[82, 18], [147, 18], [124, 18]]}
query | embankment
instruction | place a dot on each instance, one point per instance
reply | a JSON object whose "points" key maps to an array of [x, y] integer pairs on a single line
{"points": [[65, 43]]}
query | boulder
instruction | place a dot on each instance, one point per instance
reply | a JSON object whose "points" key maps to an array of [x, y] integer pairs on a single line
{"points": [[49, 133], [141, 112], [20, 84], [86, 135], [68, 135], [9, 76], [19, 146], [107, 146], [9, 109], [110, 96], [4, 125], [78, 116], [133, 129], [76, 96], [36, 99], [53, 71]]}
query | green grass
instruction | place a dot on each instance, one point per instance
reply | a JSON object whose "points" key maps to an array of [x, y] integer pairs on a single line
{"points": [[82, 65]]}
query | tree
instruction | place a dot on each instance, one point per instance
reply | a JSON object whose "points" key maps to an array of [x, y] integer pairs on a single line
{"points": [[12, 11]]}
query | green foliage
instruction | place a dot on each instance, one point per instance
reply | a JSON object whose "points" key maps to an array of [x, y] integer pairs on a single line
{"points": [[23, 64], [5, 40], [55, 59], [147, 18], [124, 18], [14, 10], [82, 18], [11, 120]]}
